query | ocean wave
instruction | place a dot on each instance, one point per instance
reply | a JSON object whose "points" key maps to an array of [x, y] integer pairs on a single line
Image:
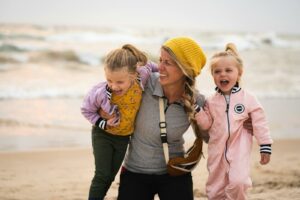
{"points": [[113, 35], [55, 56], [20, 37], [249, 41], [12, 54], [89, 46], [11, 48], [89, 58], [6, 59]]}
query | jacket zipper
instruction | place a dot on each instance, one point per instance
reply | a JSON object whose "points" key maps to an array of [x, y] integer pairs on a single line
{"points": [[228, 125]]}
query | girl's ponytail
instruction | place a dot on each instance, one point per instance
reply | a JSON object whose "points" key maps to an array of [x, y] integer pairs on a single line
{"points": [[127, 56]]}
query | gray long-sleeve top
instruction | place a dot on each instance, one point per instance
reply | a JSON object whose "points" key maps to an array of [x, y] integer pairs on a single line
{"points": [[145, 152]]}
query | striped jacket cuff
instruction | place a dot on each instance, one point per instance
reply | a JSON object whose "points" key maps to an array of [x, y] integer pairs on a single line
{"points": [[197, 108], [266, 148], [101, 123]]}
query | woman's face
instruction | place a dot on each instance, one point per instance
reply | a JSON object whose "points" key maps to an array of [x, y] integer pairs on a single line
{"points": [[170, 73]]}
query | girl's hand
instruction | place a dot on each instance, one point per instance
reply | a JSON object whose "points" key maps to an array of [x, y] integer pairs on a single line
{"points": [[265, 158]]}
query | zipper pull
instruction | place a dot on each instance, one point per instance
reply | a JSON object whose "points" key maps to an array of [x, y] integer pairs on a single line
{"points": [[227, 107]]}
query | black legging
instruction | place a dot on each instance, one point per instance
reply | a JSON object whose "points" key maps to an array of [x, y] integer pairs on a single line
{"points": [[135, 186]]}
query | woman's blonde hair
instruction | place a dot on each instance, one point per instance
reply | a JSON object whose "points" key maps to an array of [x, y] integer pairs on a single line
{"points": [[189, 96], [230, 50], [127, 56]]}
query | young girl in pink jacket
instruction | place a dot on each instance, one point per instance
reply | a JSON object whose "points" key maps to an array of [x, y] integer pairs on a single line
{"points": [[230, 144]]}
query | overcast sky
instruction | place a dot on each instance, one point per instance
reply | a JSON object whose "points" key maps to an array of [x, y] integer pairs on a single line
{"points": [[281, 16]]}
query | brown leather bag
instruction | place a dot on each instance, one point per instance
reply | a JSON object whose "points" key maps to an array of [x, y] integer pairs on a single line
{"points": [[180, 165]]}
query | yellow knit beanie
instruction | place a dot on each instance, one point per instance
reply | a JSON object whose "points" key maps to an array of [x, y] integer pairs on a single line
{"points": [[188, 53]]}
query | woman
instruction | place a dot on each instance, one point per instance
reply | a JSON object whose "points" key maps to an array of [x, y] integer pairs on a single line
{"points": [[144, 173]]}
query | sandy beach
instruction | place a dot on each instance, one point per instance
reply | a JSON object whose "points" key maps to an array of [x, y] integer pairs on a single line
{"points": [[58, 174]]}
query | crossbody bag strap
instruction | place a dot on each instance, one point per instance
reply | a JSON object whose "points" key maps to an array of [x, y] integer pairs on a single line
{"points": [[163, 129]]}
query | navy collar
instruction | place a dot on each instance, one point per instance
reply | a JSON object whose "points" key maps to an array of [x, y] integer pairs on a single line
{"points": [[236, 88]]}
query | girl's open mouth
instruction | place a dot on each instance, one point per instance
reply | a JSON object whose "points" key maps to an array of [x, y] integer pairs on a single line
{"points": [[224, 82]]}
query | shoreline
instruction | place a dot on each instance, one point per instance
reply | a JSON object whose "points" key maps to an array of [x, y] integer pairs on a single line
{"points": [[65, 173], [34, 127]]}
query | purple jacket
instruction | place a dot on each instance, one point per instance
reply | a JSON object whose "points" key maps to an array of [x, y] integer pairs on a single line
{"points": [[99, 97]]}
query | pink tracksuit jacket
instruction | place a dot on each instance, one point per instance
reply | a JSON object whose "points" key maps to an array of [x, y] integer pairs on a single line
{"points": [[230, 144]]}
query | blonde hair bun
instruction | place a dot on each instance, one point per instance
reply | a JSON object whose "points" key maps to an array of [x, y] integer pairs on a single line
{"points": [[232, 48]]}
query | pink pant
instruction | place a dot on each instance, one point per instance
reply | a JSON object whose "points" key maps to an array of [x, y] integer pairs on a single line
{"points": [[228, 182]]}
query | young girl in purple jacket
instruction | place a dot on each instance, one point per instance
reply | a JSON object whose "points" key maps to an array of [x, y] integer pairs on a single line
{"points": [[120, 97]]}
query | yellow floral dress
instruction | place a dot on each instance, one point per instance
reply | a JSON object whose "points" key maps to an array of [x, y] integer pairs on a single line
{"points": [[128, 105]]}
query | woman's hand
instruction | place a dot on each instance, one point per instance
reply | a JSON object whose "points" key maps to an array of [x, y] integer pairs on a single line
{"points": [[248, 125], [105, 115], [111, 119]]}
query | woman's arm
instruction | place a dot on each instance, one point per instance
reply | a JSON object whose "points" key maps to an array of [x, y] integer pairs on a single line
{"points": [[145, 71], [248, 125]]}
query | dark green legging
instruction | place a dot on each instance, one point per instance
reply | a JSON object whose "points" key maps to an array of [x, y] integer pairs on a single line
{"points": [[109, 151]]}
